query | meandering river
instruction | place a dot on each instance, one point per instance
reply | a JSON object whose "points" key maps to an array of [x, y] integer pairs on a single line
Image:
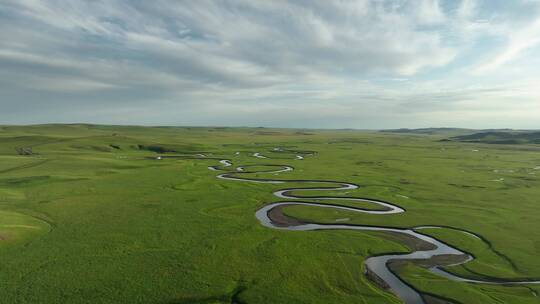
{"points": [[431, 252]]}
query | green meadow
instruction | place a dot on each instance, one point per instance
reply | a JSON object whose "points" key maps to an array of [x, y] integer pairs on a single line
{"points": [[88, 215]]}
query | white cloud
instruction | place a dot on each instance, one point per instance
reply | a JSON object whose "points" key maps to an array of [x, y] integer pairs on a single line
{"points": [[518, 42], [430, 12], [310, 58]]}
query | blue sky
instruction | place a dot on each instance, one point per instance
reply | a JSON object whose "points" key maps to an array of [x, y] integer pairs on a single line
{"points": [[319, 64]]}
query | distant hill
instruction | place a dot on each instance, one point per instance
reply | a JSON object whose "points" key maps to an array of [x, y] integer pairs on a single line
{"points": [[431, 131], [498, 137]]}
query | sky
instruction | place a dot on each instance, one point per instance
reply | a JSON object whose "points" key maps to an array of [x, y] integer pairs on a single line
{"points": [[302, 64]]}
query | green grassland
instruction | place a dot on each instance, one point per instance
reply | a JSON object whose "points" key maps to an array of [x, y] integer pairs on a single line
{"points": [[88, 217]]}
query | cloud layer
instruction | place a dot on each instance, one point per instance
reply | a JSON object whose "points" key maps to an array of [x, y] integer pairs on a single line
{"points": [[360, 64]]}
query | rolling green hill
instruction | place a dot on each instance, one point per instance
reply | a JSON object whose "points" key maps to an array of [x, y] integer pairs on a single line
{"points": [[498, 137]]}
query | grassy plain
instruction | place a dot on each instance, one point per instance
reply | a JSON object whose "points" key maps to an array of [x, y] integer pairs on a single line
{"points": [[88, 218]]}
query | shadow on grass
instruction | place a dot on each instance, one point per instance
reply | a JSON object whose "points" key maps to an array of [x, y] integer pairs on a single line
{"points": [[231, 298]]}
